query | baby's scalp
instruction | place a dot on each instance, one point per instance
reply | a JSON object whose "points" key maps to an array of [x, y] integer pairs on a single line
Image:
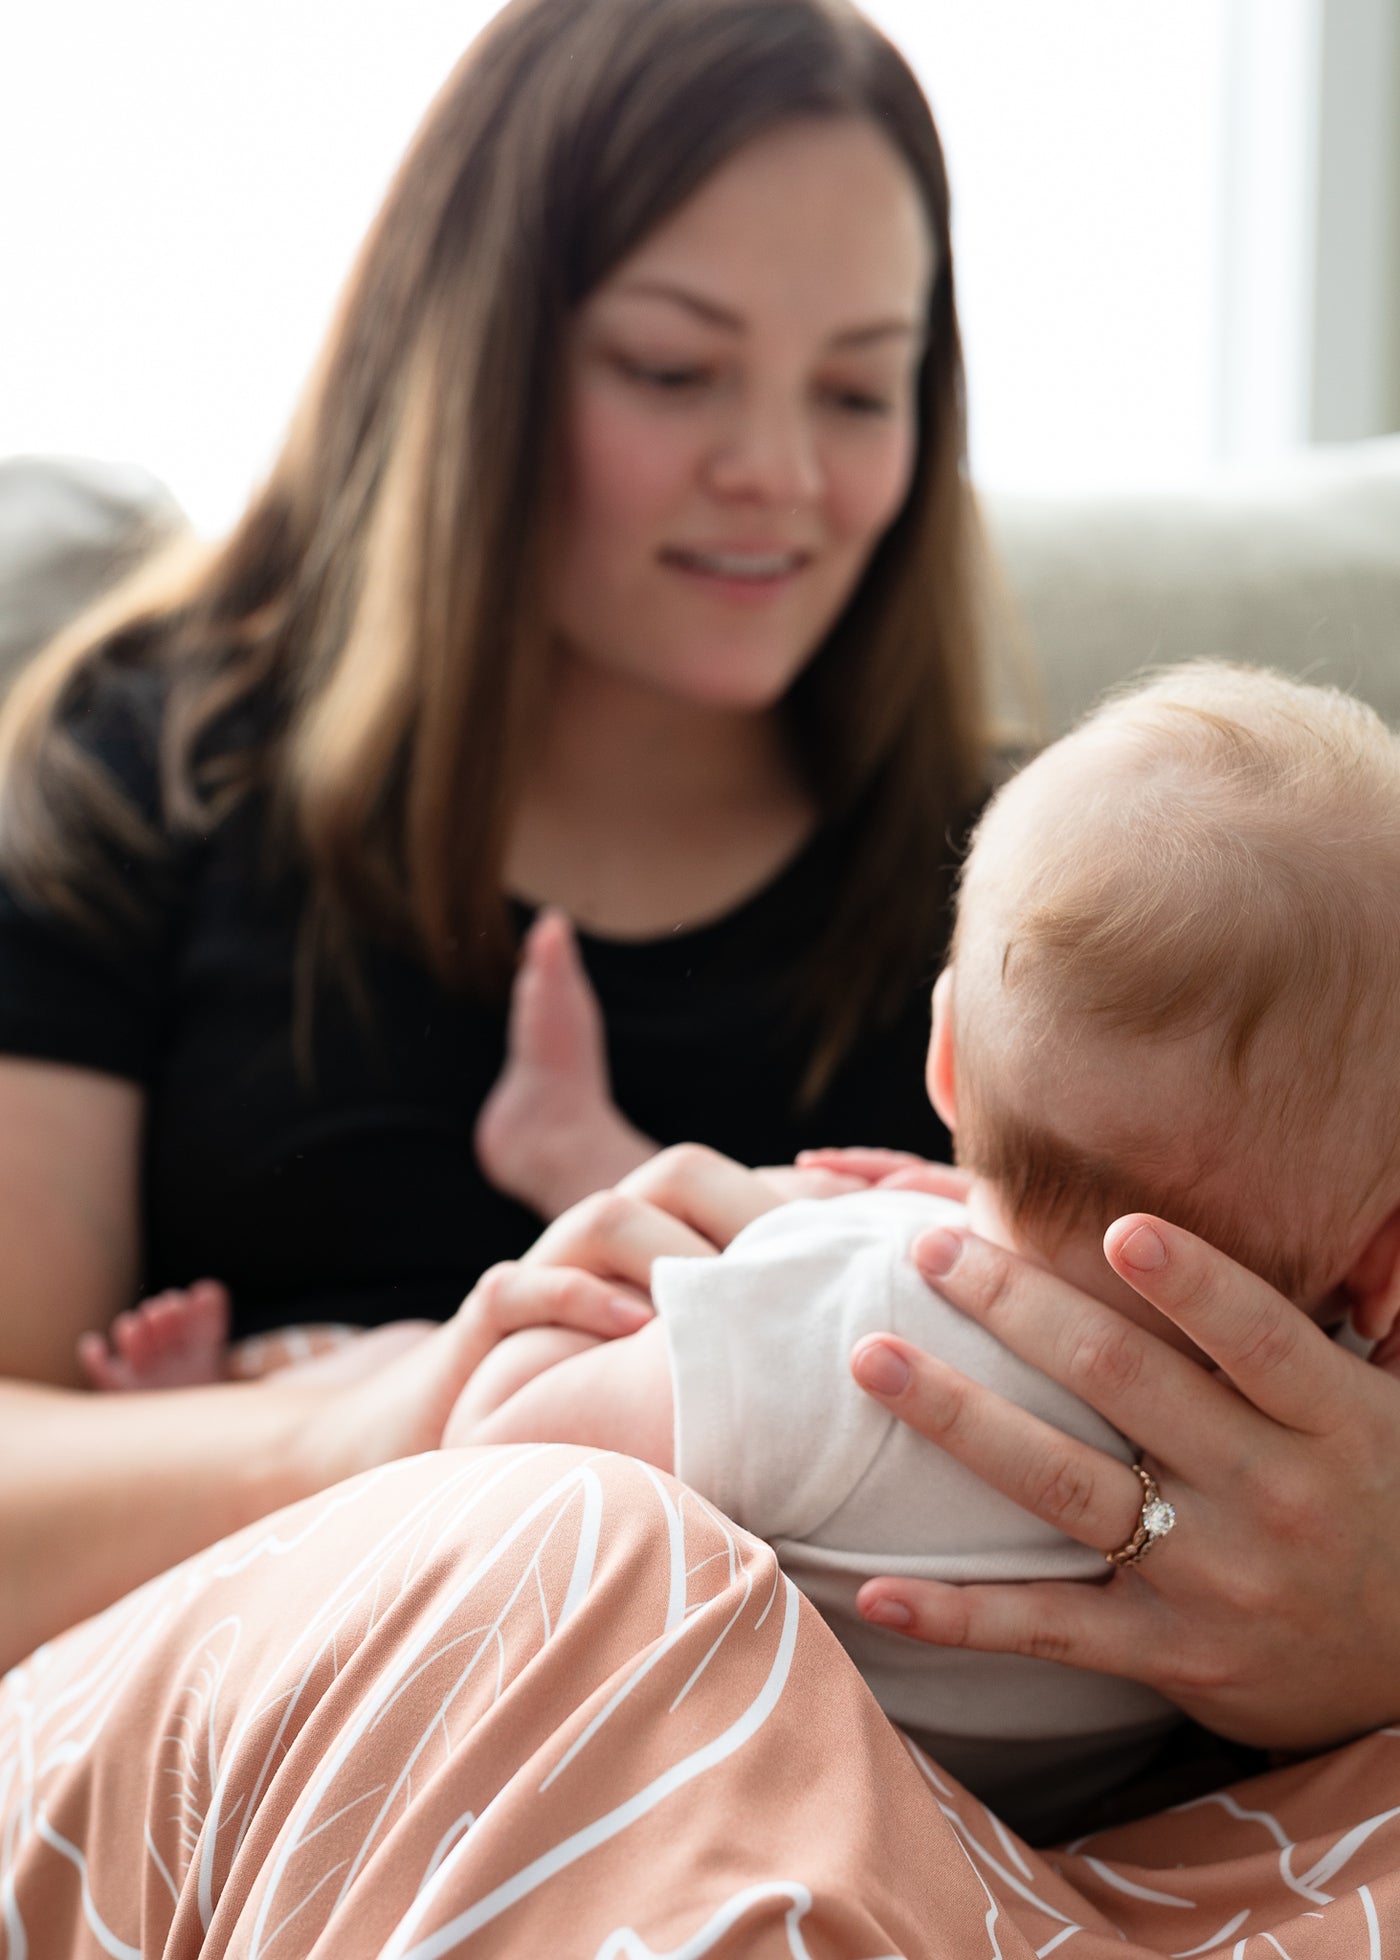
{"points": [[1175, 972]]}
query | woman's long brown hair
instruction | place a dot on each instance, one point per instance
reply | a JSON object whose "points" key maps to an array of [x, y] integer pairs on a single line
{"points": [[380, 601]]}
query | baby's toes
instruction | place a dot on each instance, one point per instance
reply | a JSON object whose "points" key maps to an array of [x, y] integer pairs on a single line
{"points": [[130, 1335], [103, 1369], [167, 1321], [145, 1335], [207, 1308]]}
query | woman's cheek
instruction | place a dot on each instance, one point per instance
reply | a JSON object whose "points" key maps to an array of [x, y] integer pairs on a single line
{"points": [[628, 467], [871, 487]]}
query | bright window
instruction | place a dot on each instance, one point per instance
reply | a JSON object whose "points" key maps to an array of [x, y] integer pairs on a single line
{"points": [[182, 188]]}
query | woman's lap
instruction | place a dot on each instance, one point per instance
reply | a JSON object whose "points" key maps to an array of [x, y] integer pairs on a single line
{"points": [[546, 1702]]}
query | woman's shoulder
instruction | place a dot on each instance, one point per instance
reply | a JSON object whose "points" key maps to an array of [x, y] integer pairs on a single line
{"points": [[99, 870], [114, 713]]}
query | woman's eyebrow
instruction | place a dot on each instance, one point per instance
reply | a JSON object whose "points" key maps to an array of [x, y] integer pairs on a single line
{"points": [[878, 330], [715, 315]]}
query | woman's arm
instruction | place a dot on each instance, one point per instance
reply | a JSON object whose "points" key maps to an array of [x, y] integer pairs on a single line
{"points": [[1272, 1610], [70, 1144], [98, 1493]]}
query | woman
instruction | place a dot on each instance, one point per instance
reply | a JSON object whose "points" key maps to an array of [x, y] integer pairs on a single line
{"points": [[620, 556], [350, 759]]}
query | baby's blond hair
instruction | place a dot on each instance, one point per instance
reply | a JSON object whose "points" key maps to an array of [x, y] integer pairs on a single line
{"points": [[1212, 860]]}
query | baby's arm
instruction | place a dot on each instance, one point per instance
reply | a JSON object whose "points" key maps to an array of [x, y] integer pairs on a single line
{"points": [[609, 1395]]}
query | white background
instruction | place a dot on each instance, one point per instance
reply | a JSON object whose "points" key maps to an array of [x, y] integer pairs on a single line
{"points": [[182, 187]]}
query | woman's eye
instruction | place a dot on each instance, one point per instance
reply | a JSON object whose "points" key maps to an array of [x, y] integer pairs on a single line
{"points": [[860, 401], [666, 377]]}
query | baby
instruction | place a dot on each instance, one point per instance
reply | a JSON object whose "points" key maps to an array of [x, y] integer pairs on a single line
{"points": [[1171, 989]]}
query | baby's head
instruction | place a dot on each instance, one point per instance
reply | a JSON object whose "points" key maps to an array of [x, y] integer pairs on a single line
{"points": [[1175, 983]]}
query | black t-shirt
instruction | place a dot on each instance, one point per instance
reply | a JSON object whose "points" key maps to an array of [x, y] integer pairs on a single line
{"points": [[352, 1191]]}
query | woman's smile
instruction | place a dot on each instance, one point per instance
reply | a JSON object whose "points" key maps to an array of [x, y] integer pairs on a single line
{"points": [[739, 574]]}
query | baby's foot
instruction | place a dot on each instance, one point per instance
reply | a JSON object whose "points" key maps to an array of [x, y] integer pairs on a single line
{"points": [[549, 1132], [176, 1339], [326, 1352]]}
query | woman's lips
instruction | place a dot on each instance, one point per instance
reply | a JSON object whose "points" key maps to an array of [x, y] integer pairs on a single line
{"points": [[739, 572]]}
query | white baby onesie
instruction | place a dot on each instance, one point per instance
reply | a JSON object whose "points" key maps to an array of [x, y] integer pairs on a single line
{"points": [[772, 1429]]}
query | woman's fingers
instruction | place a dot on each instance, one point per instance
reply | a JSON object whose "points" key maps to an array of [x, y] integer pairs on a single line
{"points": [[1167, 1402], [1070, 1485], [1277, 1358], [702, 1189], [1284, 1469], [1052, 1620]]}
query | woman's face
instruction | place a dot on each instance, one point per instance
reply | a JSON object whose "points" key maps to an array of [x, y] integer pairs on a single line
{"points": [[741, 418]]}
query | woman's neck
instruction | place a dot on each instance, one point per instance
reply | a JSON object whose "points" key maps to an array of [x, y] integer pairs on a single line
{"points": [[609, 743], [641, 812]]}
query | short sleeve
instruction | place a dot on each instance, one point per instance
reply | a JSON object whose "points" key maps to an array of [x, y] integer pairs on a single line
{"points": [[65, 996], [768, 1423], [91, 995]]}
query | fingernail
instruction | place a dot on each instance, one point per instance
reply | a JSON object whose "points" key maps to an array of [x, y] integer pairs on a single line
{"points": [[1143, 1250], [888, 1613], [936, 1253], [628, 1315], [881, 1370]]}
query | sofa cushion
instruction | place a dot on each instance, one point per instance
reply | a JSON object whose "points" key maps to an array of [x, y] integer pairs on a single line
{"points": [[1299, 570], [69, 528]]}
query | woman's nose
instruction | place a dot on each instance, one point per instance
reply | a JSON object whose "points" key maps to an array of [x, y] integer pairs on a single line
{"points": [[767, 453]]}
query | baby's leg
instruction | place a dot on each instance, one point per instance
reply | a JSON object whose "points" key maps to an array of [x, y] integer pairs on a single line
{"points": [[610, 1395], [326, 1354], [177, 1339], [549, 1133], [504, 1371]]}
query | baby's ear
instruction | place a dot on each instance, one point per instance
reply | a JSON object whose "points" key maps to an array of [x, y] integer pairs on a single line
{"points": [[941, 1060], [1373, 1284]]}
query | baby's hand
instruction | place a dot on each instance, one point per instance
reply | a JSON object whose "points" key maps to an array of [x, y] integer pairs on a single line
{"points": [[895, 1170], [804, 1181]]}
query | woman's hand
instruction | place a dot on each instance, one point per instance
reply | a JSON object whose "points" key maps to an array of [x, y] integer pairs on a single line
{"points": [[1271, 1612], [549, 1133], [589, 1270]]}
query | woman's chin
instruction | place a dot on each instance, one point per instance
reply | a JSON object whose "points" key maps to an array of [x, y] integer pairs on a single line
{"points": [[734, 680]]}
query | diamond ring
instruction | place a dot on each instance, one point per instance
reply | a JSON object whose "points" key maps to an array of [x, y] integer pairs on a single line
{"points": [[1155, 1520]]}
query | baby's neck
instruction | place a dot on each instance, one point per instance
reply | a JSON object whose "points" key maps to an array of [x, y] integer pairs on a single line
{"points": [[1078, 1259]]}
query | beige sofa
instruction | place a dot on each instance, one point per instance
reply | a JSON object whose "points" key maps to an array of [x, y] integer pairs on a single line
{"points": [[69, 528], [1297, 569]]}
